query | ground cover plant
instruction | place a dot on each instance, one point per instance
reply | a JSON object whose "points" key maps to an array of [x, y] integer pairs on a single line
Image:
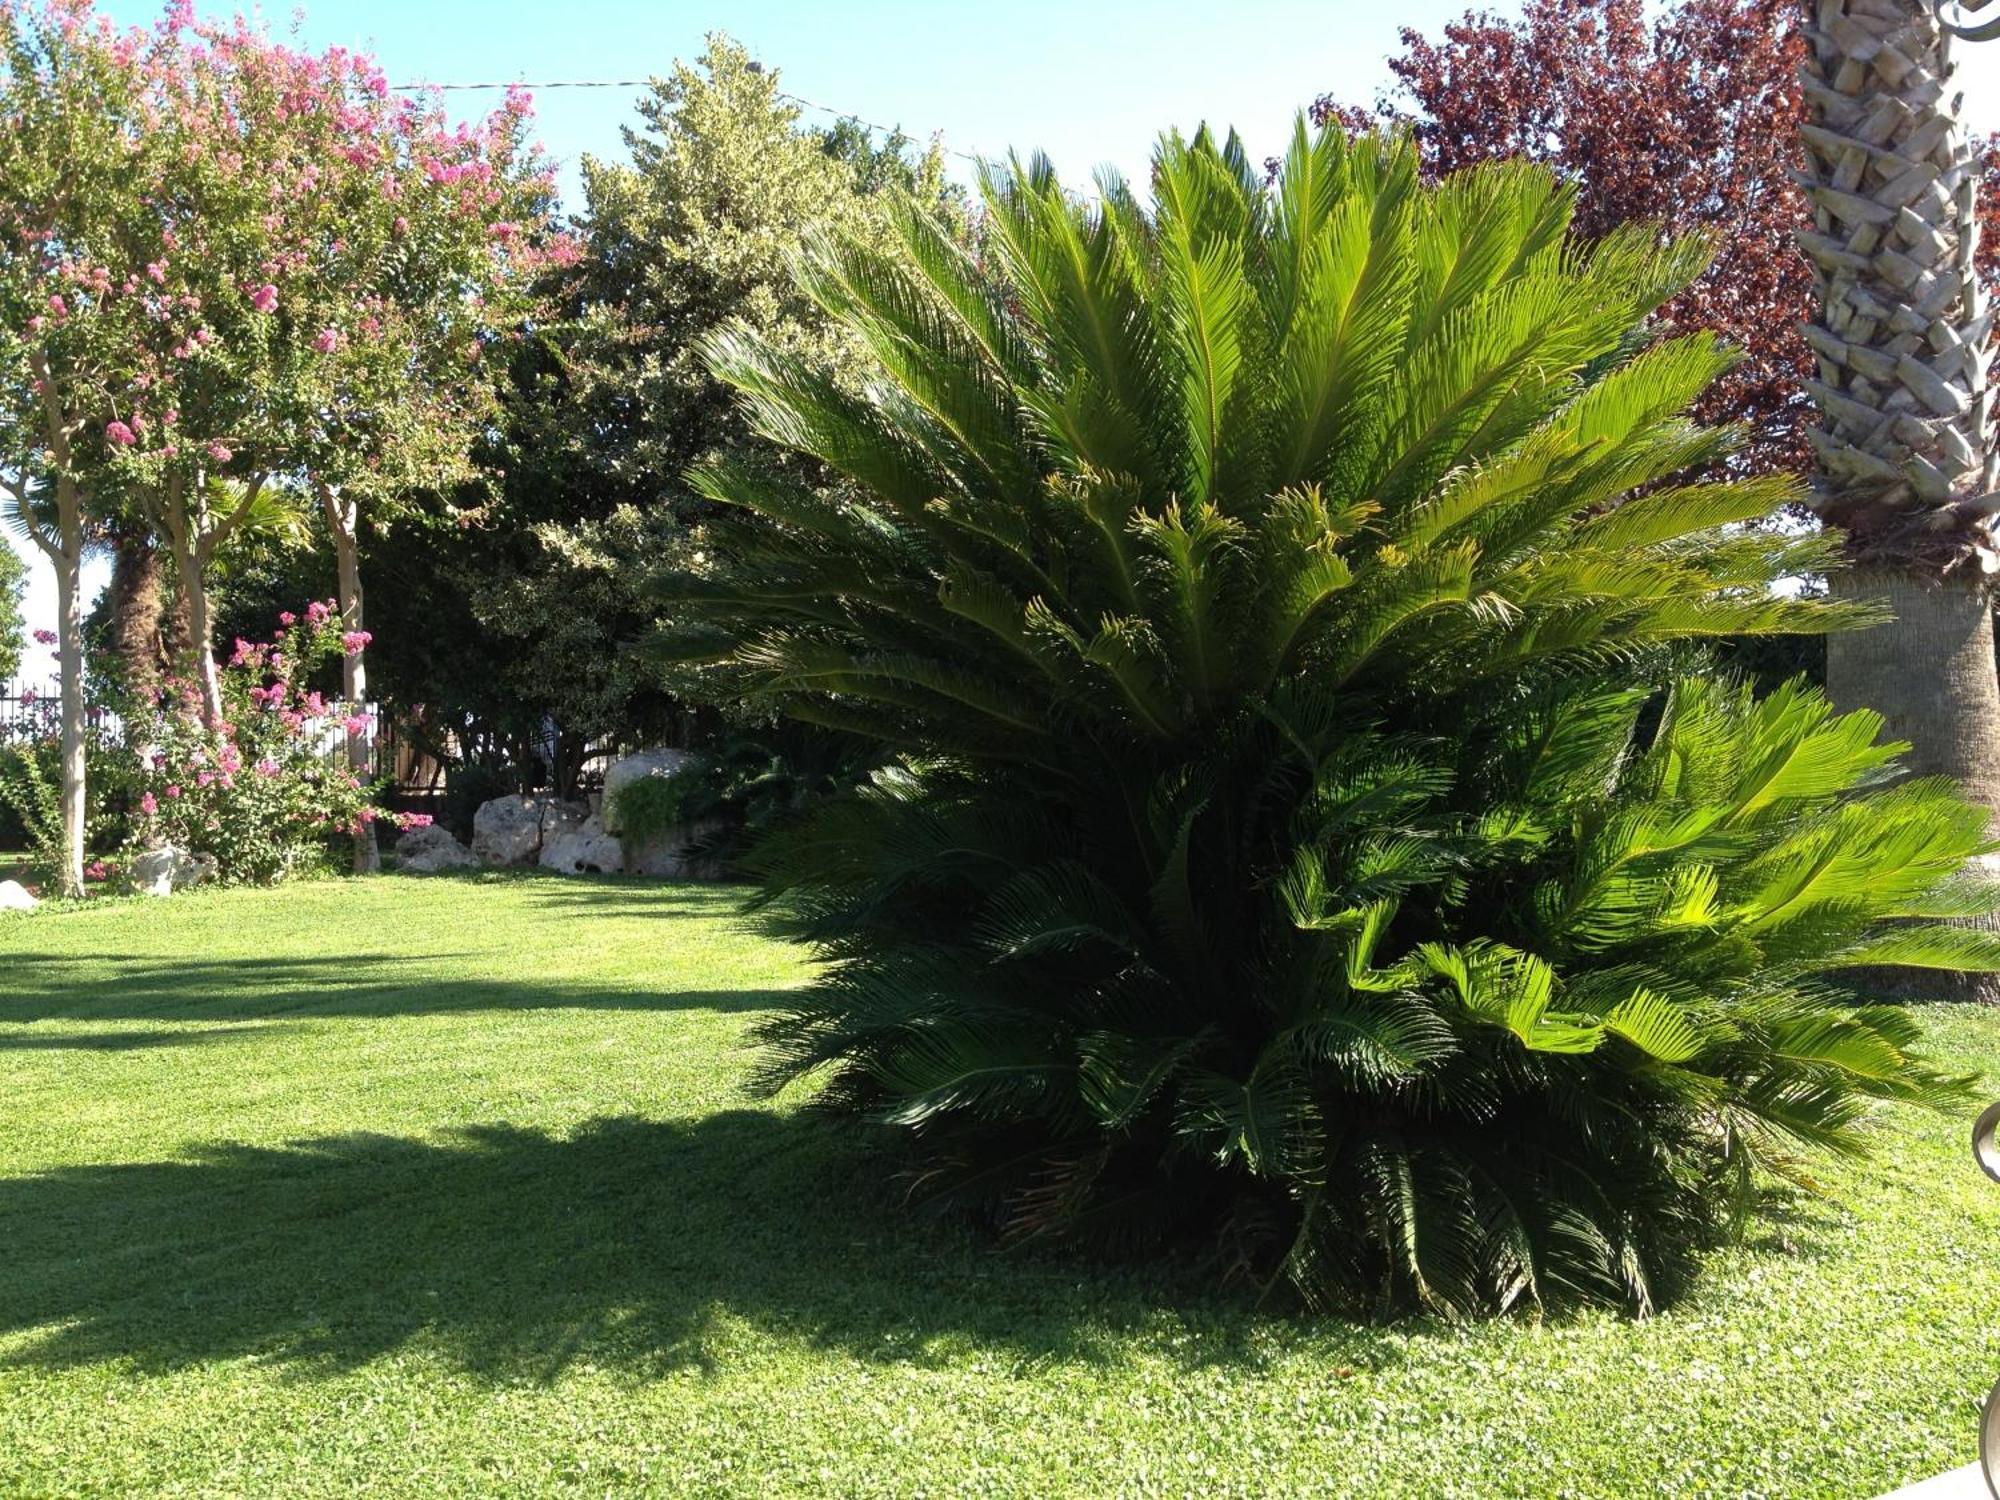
{"points": [[1316, 842], [441, 1187]]}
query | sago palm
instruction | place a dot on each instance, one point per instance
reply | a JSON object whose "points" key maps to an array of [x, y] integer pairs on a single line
{"points": [[1309, 839]]}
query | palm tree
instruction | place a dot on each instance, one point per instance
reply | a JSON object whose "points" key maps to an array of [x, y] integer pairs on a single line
{"points": [[1907, 465]]}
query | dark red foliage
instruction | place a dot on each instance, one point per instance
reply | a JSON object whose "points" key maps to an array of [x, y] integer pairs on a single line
{"points": [[1691, 119]]}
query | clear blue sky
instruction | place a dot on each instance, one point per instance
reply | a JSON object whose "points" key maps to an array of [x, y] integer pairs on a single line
{"points": [[1089, 81]]}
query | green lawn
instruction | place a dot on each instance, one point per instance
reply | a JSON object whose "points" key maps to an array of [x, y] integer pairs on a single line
{"points": [[450, 1187]]}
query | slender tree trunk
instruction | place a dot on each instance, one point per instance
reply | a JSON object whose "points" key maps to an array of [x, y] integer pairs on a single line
{"points": [[190, 564], [201, 630], [69, 651], [342, 520]]}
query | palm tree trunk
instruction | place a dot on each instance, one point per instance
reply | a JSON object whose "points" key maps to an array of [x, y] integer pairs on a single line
{"points": [[137, 596], [1906, 458]]}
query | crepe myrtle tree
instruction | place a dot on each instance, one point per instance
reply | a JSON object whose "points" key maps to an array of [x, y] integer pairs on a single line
{"points": [[78, 101], [408, 247], [324, 262]]}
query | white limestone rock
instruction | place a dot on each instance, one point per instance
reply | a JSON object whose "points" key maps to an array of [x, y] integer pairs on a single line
{"points": [[514, 830], [646, 763], [425, 851], [585, 849]]}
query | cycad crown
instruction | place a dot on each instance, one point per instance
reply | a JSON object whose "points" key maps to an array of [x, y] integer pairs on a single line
{"points": [[1312, 837]]}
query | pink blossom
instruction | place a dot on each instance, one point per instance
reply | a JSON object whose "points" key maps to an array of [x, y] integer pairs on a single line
{"points": [[354, 642], [173, 793], [29, 698], [157, 270], [288, 618], [265, 298], [267, 767], [416, 820], [97, 869], [149, 804], [314, 704], [203, 778], [292, 719], [355, 724], [59, 307], [317, 612], [219, 453], [120, 434], [45, 637], [326, 341]]}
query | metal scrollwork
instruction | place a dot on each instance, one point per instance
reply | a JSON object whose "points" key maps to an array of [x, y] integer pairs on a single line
{"points": [[1955, 17], [1986, 1151]]}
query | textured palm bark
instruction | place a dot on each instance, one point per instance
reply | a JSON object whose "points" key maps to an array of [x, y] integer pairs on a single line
{"points": [[141, 632], [1901, 332], [1907, 464]]}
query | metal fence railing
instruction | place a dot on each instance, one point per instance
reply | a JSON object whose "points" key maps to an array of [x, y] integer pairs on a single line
{"points": [[29, 709]]}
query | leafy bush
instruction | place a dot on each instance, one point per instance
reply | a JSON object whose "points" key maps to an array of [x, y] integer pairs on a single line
{"points": [[31, 800], [1315, 839], [31, 787], [267, 792], [743, 786]]}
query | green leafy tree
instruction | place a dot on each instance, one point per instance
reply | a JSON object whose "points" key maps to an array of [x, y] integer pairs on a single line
{"points": [[609, 408], [13, 625], [75, 100], [1311, 841]]}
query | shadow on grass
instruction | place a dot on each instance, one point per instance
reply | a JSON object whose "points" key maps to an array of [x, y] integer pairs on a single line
{"points": [[123, 1041], [142, 986], [632, 1245]]}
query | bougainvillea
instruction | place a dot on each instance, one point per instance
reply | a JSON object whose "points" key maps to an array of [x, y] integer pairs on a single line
{"points": [[266, 790]]}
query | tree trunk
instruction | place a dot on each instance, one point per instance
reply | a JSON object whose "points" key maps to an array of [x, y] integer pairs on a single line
{"points": [[1931, 674], [189, 565], [1906, 460], [342, 520], [69, 651], [1949, 711], [137, 602]]}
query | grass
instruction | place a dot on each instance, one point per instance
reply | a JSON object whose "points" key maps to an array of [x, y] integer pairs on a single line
{"points": [[450, 1187]]}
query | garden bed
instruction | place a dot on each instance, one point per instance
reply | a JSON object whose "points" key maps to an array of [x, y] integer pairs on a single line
{"points": [[451, 1186]]}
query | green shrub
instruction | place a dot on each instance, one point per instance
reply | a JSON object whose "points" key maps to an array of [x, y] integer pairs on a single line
{"points": [[743, 786], [653, 806], [1316, 839], [31, 798]]}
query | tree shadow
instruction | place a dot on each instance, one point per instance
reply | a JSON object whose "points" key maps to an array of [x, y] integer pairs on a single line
{"points": [[631, 1245], [142, 986], [124, 1041]]}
